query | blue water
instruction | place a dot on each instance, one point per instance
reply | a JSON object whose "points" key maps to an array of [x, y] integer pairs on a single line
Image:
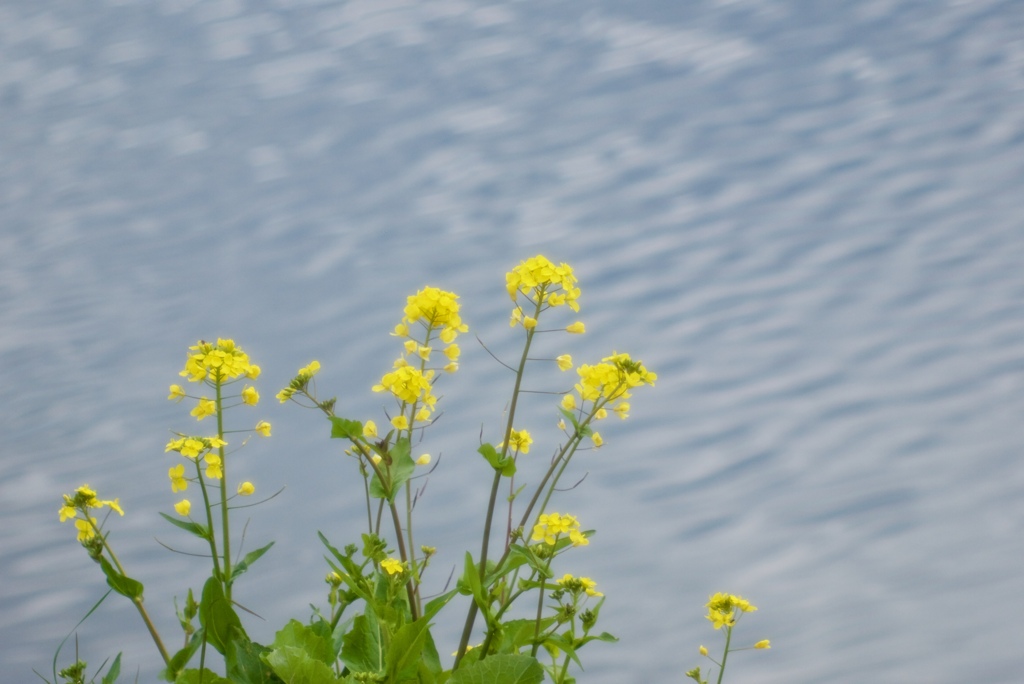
{"points": [[806, 217]]}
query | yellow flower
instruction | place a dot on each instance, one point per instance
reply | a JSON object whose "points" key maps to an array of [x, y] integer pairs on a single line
{"points": [[569, 402], [253, 372], [596, 437], [423, 460], [204, 408], [622, 409], [67, 511], [177, 476], [183, 507], [552, 525], [723, 609], [764, 643], [529, 322], [452, 351], [422, 415], [285, 394], [246, 488], [519, 441], [214, 466], [424, 352], [576, 328], [263, 428], [561, 425], [579, 585], [564, 362], [309, 371], [408, 384], [369, 429], [401, 330], [250, 396], [703, 651], [451, 367], [86, 531], [177, 393], [400, 422], [376, 458], [392, 566], [601, 414]]}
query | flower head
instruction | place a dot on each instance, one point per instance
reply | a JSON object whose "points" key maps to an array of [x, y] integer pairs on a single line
{"points": [[205, 407], [177, 393], [550, 526], [723, 609], [579, 585], [250, 396], [519, 440], [218, 362], [392, 566], [246, 488], [262, 428], [183, 507], [434, 308], [177, 476], [543, 283]]}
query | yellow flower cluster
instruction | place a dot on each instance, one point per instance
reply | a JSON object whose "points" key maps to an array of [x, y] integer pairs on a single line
{"points": [[434, 308], [83, 500], [723, 609], [579, 584], [191, 447], [550, 526], [519, 440], [409, 384], [299, 382], [611, 380], [221, 362], [392, 566], [544, 283]]}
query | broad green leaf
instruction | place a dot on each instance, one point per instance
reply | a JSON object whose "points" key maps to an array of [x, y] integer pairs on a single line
{"points": [[122, 584], [295, 634], [401, 469], [200, 531], [245, 664], [500, 669], [362, 650], [342, 428], [249, 559], [203, 676], [294, 666], [218, 617], [404, 652]]}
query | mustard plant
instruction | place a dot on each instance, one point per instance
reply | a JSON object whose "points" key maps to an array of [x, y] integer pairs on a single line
{"points": [[724, 610], [525, 619]]}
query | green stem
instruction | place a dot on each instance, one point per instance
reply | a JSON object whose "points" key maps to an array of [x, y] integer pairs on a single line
{"points": [[725, 656], [138, 600], [224, 518], [473, 608]]}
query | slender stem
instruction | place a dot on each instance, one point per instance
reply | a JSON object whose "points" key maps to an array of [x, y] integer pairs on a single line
{"points": [[138, 599], [413, 606], [211, 538], [721, 668], [224, 518], [471, 615]]}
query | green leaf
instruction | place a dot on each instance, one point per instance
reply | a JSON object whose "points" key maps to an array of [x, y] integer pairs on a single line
{"points": [[524, 554], [294, 666], [245, 664], [500, 669], [114, 672], [200, 531], [506, 465], [295, 634], [203, 676], [342, 428], [404, 652], [122, 584], [249, 559], [401, 469], [362, 650], [218, 617], [180, 659]]}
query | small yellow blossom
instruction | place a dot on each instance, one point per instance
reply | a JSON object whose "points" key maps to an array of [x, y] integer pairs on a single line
{"points": [[177, 476], [576, 328], [183, 507], [376, 458], [561, 425], [622, 409], [552, 525], [452, 351], [422, 415], [601, 414], [67, 511], [703, 651], [400, 422], [392, 566], [250, 396], [177, 393], [214, 466], [529, 322], [263, 428], [285, 394], [764, 643], [596, 437], [246, 488], [205, 407], [218, 362], [451, 367], [564, 362], [569, 402], [519, 440], [401, 330], [579, 584], [253, 372], [86, 529], [369, 429], [423, 459]]}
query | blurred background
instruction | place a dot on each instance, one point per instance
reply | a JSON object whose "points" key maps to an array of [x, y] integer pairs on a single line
{"points": [[804, 216]]}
